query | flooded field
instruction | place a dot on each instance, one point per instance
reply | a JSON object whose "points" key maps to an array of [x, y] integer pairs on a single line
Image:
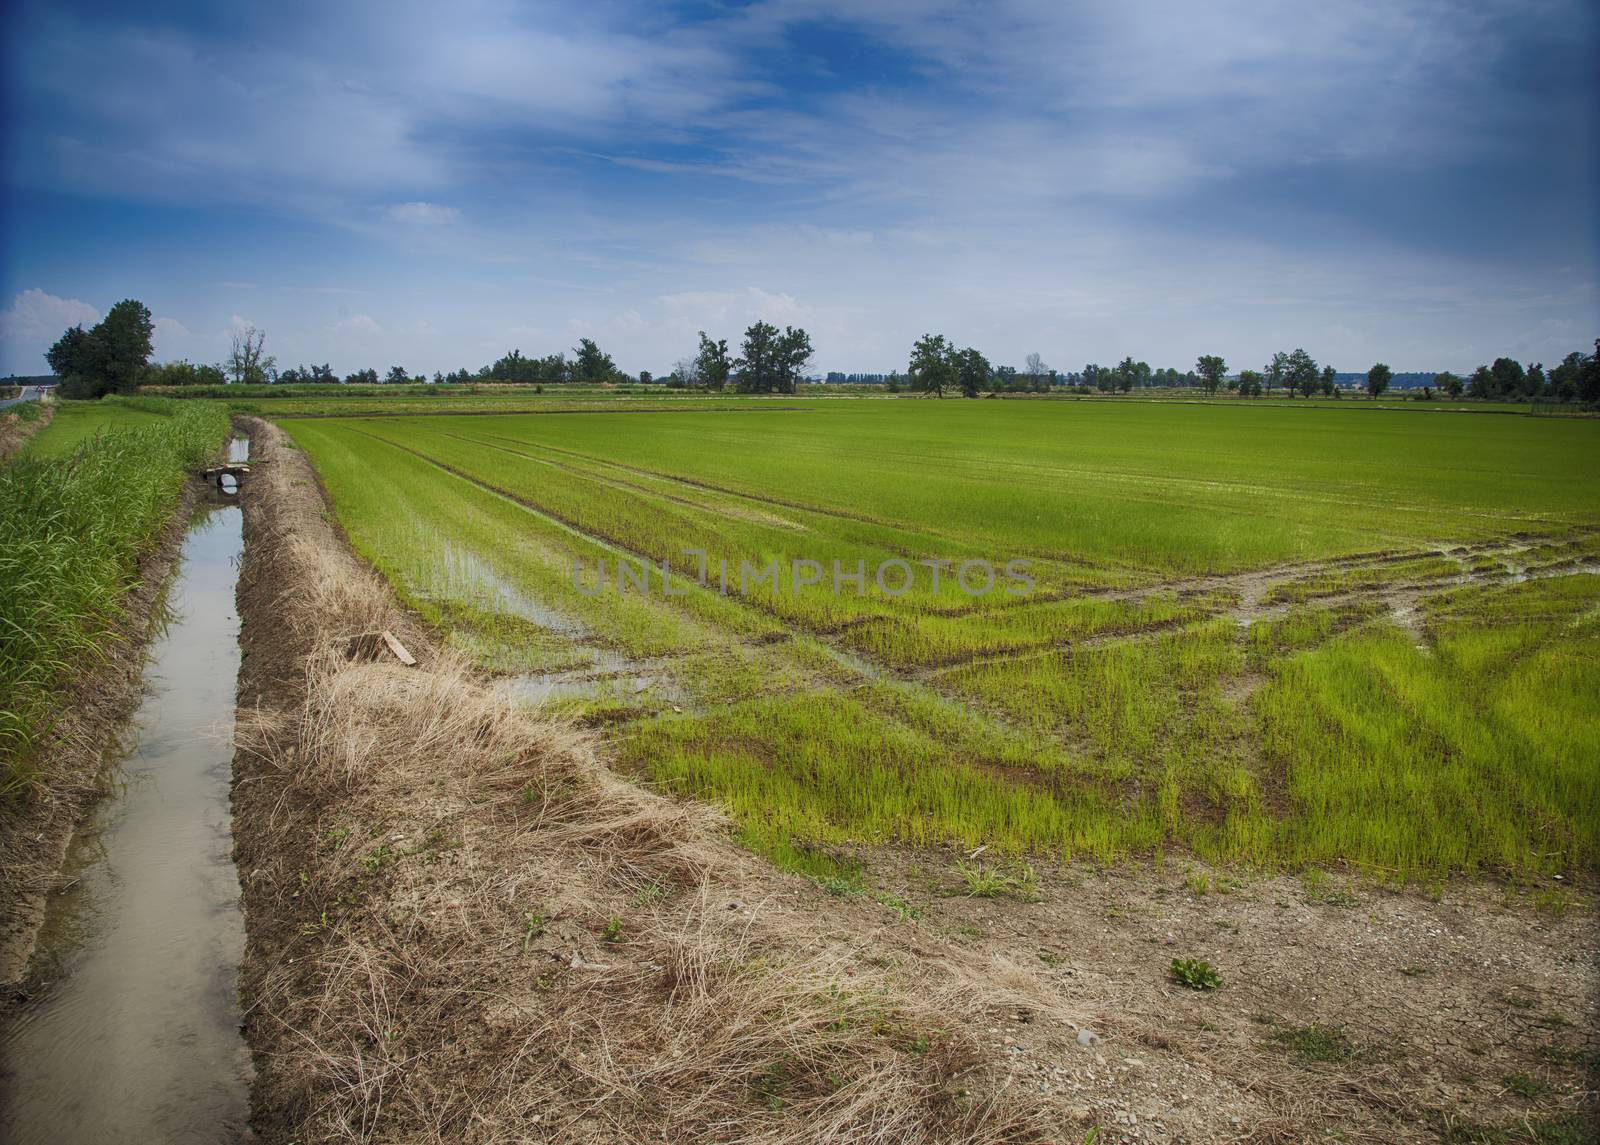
{"points": [[132, 1030]]}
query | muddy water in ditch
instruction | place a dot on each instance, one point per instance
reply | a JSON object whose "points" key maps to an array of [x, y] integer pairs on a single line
{"points": [[133, 1033]]}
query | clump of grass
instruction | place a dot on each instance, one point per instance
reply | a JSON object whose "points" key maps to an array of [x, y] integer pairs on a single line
{"points": [[1315, 1043], [992, 882], [1194, 974], [1524, 1085]]}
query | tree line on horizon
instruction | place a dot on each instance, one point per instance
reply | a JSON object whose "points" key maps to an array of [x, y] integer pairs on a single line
{"points": [[113, 356]]}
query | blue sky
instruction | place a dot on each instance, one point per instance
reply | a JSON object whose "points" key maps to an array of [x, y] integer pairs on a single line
{"points": [[431, 185]]}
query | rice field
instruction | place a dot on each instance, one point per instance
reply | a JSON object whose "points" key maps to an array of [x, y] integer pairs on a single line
{"points": [[1271, 636]]}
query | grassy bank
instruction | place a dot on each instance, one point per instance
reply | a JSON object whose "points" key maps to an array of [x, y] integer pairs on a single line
{"points": [[76, 512]]}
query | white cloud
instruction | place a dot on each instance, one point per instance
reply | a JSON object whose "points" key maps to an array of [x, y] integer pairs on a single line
{"points": [[422, 214], [356, 324], [36, 316]]}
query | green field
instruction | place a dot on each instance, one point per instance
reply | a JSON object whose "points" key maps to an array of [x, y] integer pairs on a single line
{"points": [[1265, 635], [76, 422]]}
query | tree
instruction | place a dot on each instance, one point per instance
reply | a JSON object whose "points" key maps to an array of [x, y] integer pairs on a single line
{"points": [[75, 359], [685, 374], [1250, 383], [1448, 383], [757, 361], [1564, 377], [1378, 380], [110, 357], [1330, 382], [646, 377], [771, 362], [1276, 369], [397, 376], [1212, 370], [794, 355], [1033, 366], [711, 365], [1589, 376], [973, 372], [248, 364], [1533, 383], [1300, 374], [932, 366], [590, 363], [1129, 374], [1508, 377]]}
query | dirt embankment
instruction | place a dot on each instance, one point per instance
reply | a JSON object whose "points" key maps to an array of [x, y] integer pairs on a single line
{"points": [[15, 432], [95, 706], [462, 927]]}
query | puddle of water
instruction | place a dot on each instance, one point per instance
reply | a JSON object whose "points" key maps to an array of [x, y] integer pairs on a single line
{"points": [[538, 688], [238, 450], [135, 1034]]}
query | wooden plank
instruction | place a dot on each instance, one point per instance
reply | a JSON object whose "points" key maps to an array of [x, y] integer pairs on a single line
{"points": [[398, 649]]}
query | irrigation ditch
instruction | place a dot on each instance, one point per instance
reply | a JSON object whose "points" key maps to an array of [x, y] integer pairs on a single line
{"points": [[124, 1024]]}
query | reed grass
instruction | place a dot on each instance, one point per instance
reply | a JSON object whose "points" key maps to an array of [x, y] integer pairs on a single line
{"points": [[72, 529]]}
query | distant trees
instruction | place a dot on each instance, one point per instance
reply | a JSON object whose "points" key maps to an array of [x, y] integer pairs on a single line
{"points": [[771, 362], [1036, 371], [1378, 379], [1276, 370], [1212, 370], [308, 375], [1302, 376], [1508, 377], [932, 365], [517, 368], [1251, 383], [183, 373], [248, 362], [591, 364], [712, 366], [1448, 384], [973, 372], [1296, 371], [1330, 382], [362, 378], [937, 364], [110, 357]]}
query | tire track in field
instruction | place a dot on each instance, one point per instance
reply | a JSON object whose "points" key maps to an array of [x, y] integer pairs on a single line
{"points": [[758, 518], [847, 658]]}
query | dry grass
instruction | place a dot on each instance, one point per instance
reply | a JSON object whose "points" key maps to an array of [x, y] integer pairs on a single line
{"points": [[16, 428], [464, 928]]}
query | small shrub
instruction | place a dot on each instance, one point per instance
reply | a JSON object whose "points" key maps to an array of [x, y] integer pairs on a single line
{"points": [[1195, 974]]}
